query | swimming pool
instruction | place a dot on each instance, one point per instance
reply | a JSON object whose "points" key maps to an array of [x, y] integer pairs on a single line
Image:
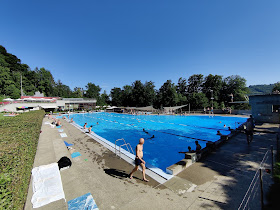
{"points": [[172, 134]]}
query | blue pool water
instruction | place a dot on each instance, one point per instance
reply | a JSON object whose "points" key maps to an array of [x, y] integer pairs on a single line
{"points": [[172, 133]]}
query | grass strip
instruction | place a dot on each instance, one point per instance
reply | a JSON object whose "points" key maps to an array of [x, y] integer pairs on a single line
{"points": [[18, 145]]}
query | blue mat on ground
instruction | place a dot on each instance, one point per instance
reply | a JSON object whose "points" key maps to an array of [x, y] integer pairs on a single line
{"points": [[75, 154], [83, 202], [67, 144], [58, 126]]}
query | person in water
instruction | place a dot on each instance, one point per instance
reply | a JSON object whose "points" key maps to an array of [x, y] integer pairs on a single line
{"points": [[139, 160], [145, 131]]}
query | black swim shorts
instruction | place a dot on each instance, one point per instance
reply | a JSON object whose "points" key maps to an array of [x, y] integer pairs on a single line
{"points": [[138, 161], [249, 133]]}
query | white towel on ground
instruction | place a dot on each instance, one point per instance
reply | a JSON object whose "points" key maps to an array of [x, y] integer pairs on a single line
{"points": [[47, 185]]}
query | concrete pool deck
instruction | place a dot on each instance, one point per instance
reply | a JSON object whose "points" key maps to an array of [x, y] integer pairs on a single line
{"points": [[221, 179]]}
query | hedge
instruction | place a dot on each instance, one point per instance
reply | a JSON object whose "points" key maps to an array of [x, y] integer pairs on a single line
{"points": [[18, 145]]}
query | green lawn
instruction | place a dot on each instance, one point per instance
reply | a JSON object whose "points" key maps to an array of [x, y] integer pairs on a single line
{"points": [[18, 144], [1, 116]]}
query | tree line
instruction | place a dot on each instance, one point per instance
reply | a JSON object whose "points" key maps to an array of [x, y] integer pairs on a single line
{"points": [[198, 90]]}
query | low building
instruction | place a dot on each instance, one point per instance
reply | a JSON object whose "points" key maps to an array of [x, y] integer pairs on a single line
{"points": [[265, 108], [77, 103], [49, 104]]}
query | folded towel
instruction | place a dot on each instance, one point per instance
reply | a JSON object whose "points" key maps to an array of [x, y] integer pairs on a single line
{"points": [[83, 202], [63, 135], [75, 154], [47, 185]]}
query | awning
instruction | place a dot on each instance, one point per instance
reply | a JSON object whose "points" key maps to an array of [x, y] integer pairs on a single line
{"points": [[173, 108], [147, 108], [113, 107], [49, 107]]}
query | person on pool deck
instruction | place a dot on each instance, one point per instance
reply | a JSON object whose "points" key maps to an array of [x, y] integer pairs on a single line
{"points": [[71, 121], [85, 126], [250, 124], [139, 160]]}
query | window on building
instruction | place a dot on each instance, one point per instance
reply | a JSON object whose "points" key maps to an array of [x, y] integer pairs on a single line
{"points": [[276, 108]]}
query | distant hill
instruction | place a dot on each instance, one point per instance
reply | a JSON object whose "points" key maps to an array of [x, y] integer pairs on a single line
{"points": [[260, 89]]}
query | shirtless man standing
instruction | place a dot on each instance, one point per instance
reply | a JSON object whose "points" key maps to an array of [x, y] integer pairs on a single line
{"points": [[139, 160]]}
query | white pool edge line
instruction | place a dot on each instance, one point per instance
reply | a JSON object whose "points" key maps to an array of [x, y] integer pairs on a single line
{"points": [[154, 172]]}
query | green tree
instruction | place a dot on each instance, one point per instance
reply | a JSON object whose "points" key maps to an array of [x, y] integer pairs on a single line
{"points": [[116, 96], [182, 87], [62, 90], [103, 99], [149, 93], [276, 87], [5, 79], [198, 101], [45, 81], [138, 94], [167, 95], [211, 87], [127, 97], [78, 92], [12, 91], [92, 91], [236, 85], [195, 83]]}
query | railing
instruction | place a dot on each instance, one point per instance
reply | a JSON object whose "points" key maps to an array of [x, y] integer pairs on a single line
{"points": [[125, 144], [254, 197]]}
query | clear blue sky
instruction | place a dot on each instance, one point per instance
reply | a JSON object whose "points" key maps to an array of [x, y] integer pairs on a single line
{"points": [[115, 42]]}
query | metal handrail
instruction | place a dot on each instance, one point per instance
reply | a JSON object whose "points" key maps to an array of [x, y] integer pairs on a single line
{"points": [[125, 144]]}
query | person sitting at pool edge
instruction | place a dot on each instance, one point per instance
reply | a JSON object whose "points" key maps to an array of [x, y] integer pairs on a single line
{"points": [[85, 126], [190, 150], [71, 121], [89, 129], [139, 160], [219, 133], [58, 123], [198, 147]]}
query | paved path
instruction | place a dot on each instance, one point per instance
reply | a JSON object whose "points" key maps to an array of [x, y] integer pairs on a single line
{"points": [[222, 178]]}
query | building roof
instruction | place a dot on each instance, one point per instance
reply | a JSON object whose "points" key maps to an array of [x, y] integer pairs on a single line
{"points": [[49, 107]]}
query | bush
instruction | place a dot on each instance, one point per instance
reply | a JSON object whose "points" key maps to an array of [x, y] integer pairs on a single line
{"points": [[18, 145]]}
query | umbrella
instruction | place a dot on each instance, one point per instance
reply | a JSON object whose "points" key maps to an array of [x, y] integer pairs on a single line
{"points": [[8, 99]]}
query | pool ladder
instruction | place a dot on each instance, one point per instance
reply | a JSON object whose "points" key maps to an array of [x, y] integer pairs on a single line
{"points": [[125, 144]]}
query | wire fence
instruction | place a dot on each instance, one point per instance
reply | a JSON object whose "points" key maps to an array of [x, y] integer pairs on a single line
{"points": [[254, 198]]}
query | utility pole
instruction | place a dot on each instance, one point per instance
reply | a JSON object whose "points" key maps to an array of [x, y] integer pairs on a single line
{"points": [[21, 91]]}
